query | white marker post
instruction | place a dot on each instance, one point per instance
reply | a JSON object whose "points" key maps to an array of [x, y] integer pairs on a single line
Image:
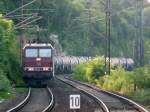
{"points": [[74, 101]]}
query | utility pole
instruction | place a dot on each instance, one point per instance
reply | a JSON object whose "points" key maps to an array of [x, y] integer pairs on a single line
{"points": [[141, 33], [89, 25], [22, 8], [38, 35], [21, 37], [108, 34], [139, 47]]}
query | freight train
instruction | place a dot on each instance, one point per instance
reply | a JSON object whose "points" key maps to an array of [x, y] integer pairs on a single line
{"points": [[65, 64], [37, 63]]}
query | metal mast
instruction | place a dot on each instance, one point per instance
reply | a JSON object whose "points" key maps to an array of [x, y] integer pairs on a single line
{"points": [[21, 37], [88, 2], [139, 56], [141, 33], [108, 34]]}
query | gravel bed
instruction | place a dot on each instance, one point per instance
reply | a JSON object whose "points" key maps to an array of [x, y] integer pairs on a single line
{"points": [[62, 92], [113, 103], [39, 100], [9, 103]]}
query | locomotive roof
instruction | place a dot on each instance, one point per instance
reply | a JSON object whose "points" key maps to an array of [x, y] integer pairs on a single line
{"points": [[38, 45]]}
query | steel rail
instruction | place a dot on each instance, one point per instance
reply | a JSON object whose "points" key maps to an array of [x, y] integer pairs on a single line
{"points": [[21, 104], [51, 104], [103, 105], [25, 101], [136, 105]]}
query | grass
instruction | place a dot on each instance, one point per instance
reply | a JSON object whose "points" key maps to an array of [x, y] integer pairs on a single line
{"points": [[142, 97], [6, 95], [21, 90], [9, 95]]}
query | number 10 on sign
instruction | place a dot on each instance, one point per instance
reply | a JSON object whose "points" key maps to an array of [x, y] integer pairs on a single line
{"points": [[74, 101]]}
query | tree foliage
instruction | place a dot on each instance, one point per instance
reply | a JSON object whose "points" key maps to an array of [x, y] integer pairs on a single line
{"points": [[80, 24], [142, 77], [90, 71], [9, 57]]}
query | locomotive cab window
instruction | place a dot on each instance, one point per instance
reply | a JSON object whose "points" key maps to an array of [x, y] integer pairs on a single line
{"points": [[30, 53], [45, 53]]}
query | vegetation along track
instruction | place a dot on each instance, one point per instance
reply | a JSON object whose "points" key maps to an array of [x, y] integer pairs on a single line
{"points": [[36, 101], [114, 102]]}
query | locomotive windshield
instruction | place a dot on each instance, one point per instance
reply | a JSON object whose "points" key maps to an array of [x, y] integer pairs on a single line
{"points": [[45, 53], [36, 52], [31, 53]]}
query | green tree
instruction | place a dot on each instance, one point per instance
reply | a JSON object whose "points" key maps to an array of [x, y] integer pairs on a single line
{"points": [[9, 56]]}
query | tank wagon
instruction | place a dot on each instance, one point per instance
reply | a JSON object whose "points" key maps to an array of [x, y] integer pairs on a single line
{"points": [[37, 63], [65, 64]]}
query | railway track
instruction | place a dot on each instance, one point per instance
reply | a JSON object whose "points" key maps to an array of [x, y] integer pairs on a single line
{"points": [[113, 102], [102, 107], [35, 101], [62, 92]]}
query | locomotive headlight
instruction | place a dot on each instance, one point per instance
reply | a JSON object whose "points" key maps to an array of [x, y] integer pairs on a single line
{"points": [[38, 59], [30, 69], [45, 68]]}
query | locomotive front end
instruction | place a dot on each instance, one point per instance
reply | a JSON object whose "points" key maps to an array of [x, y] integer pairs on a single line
{"points": [[37, 63]]}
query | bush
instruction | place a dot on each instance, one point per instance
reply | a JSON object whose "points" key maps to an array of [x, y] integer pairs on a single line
{"points": [[4, 82], [124, 82], [90, 71], [142, 77], [119, 80], [79, 72]]}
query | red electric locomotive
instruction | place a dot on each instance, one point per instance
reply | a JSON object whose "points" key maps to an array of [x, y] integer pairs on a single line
{"points": [[38, 63]]}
